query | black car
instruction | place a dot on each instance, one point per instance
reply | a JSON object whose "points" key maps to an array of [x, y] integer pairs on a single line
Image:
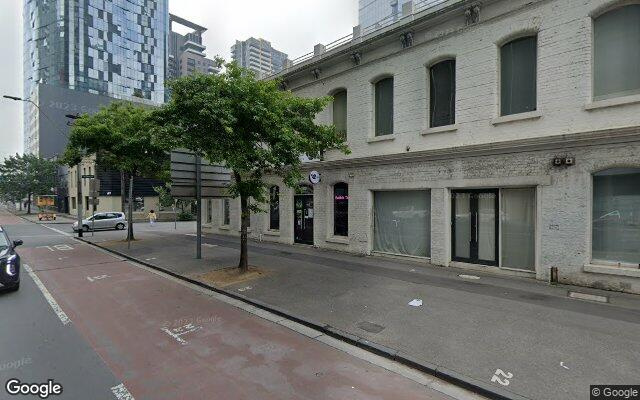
{"points": [[9, 263]]}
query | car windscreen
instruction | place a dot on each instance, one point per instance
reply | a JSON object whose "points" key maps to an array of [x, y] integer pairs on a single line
{"points": [[3, 241]]}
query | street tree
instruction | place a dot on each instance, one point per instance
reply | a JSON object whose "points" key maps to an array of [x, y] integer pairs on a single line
{"points": [[25, 176], [251, 127], [120, 135]]}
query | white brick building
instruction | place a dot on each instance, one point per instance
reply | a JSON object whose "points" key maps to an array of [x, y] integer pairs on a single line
{"points": [[455, 116]]}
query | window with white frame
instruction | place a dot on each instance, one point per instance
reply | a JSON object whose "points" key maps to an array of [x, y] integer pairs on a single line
{"points": [[340, 112], [518, 81], [616, 216], [274, 208], [616, 53], [226, 212], [384, 107], [442, 94]]}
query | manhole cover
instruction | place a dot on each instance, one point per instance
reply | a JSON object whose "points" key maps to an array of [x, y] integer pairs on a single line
{"points": [[370, 327]]}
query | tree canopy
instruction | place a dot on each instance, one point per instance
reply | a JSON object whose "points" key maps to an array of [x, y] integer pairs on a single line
{"points": [[23, 176], [250, 126]]}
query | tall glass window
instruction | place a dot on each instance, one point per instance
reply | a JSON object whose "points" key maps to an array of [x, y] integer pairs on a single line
{"points": [[442, 94], [340, 112], [341, 209], [518, 227], [616, 216], [384, 107], [402, 222], [518, 69], [226, 212], [616, 51], [274, 208]]}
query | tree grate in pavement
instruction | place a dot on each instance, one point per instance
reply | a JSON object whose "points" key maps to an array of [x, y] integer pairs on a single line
{"points": [[370, 327]]}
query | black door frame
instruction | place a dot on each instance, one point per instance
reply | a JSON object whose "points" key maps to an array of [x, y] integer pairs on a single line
{"points": [[305, 198], [473, 208]]}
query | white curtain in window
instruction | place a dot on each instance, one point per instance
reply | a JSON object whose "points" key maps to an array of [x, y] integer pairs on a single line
{"points": [[616, 216], [402, 222], [517, 214], [617, 53]]}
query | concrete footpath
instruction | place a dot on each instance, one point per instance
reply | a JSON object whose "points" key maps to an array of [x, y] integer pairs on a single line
{"points": [[522, 337]]}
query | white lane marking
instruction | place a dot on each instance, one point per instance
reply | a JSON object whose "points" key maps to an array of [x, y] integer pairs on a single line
{"points": [[244, 289], [57, 230], [474, 277], [97, 278], [52, 302], [59, 247], [588, 297], [502, 377], [191, 234], [149, 259], [562, 365], [209, 245], [415, 303], [121, 392], [177, 333]]}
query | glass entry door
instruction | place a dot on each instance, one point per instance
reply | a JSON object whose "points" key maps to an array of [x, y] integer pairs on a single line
{"points": [[303, 218], [474, 223]]}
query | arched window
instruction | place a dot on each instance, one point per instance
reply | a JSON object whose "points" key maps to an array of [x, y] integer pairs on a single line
{"points": [[616, 52], [616, 216], [518, 69], [341, 209], [340, 112], [274, 208], [384, 107], [442, 94]]}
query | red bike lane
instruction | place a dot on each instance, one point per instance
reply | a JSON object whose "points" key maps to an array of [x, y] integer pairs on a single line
{"points": [[165, 340]]}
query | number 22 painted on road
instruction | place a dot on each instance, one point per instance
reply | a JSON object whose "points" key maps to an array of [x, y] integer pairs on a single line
{"points": [[502, 377]]}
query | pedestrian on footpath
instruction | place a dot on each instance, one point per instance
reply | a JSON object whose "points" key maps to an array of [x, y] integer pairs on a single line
{"points": [[152, 217]]}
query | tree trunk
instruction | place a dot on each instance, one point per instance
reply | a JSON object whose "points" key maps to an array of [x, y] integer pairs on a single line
{"points": [[123, 195], [244, 223], [130, 217], [29, 203]]}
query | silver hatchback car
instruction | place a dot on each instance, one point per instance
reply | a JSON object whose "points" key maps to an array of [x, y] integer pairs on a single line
{"points": [[103, 220]]}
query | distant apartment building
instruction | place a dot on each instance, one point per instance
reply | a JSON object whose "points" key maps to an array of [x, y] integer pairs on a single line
{"points": [[186, 52], [258, 55], [372, 12], [116, 49], [80, 55]]}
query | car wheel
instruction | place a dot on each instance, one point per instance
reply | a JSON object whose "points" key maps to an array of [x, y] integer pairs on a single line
{"points": [[14, 288], [120, 226], [85, 228]]}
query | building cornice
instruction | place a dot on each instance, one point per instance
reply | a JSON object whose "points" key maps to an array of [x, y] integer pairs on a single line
{"points": [[557, 142]]}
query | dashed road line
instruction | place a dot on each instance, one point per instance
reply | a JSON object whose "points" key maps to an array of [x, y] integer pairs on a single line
{"points": [[57, 230], [121, 393], [52, 302]]}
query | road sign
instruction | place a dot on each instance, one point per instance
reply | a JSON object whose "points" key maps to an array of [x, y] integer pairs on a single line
{"points": [[94, 187], [88, 176], [94, 201], [314, 177], [214, 178]]}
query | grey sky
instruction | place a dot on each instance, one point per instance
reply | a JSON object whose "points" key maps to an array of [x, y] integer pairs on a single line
{"points": [[292, 26]]}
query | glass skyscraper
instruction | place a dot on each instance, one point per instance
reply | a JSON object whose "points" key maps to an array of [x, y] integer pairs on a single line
{"points": [[115, 48]]}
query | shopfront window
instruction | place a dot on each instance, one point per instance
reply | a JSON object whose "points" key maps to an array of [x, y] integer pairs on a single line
{"points": [[274, 208], [402, 222], [616, 216]]}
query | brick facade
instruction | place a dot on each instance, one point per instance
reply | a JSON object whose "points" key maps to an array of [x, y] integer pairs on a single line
{"points": [[482, 150]]}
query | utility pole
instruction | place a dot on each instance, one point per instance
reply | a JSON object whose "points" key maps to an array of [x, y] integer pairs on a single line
{"points": [[199, 210], [79, 202]]}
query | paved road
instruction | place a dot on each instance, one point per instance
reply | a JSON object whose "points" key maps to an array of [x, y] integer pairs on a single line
{"points": [[554, 347], [115, 328]]}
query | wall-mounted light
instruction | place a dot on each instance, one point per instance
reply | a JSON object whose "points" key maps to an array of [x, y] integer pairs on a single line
{"points": [[406, 39], [356, 58], [316, 73]]}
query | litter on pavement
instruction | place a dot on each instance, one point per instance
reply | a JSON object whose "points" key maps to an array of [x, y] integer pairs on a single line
{"points": [[415, 303]]}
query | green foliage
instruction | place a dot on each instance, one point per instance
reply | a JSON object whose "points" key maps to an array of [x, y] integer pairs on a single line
{"points": [[121, 135], [22, 176], [165, 199], [185, 216], [250, 126]]}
